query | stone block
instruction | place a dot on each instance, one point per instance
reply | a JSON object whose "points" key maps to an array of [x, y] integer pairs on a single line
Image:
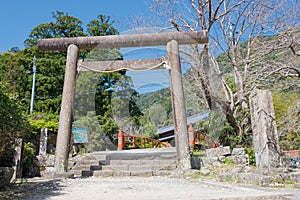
{"points": [[142, 173], [121, 173], [103, 173], [161, 173], [50, 161], [236, 170], [6, 174], [50, 172], [86, 173], [217, 164], [295, 176], [219, 151], [204, 172], [41, 160], [46, 161], [238, 151], [240, 159], [208, 160]]}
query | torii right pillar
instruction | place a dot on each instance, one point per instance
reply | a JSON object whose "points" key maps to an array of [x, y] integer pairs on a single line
{"points": [[265, 138], [179, 112]]}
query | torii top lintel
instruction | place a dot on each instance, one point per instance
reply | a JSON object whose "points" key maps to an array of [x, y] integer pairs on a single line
{"points": [[130, 40]]}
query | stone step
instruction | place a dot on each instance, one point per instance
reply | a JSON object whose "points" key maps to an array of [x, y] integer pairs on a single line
{"points": [[109, 173], [144, 173], [96, 157], [92, 162], [143, 156], [81, 173], [138, 167], [77, 173], [143, 162], [146, 162], [152, 167], [87, 167]]}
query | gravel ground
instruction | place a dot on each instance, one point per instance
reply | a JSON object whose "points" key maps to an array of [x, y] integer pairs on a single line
{"points": [[140, 188]]}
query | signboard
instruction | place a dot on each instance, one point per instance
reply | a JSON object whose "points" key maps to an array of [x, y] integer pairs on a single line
{"points": [[80, 135]]}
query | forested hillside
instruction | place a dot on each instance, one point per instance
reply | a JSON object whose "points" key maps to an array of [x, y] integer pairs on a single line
{"points": [[285, 88]]}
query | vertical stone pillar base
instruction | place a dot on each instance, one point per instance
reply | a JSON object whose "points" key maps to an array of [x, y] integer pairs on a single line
{"points": [[265, 138]]}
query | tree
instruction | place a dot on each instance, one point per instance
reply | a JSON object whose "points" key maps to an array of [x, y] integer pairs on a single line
{"points": [[50, 65], [101, 26], [244, 25], [193, 15], [98, 139], [106, 94], [251, 51], [16, 67], [63, 26], [13, 123], [287, 107]]}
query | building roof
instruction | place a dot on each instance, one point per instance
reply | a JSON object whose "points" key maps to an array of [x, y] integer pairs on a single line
{"points": [[192, 119]]}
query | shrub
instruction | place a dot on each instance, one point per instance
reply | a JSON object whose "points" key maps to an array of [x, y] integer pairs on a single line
{"points": [[251, 155]]}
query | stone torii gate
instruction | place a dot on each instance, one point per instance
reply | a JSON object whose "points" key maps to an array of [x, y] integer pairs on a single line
{"points": [[73, 45]]}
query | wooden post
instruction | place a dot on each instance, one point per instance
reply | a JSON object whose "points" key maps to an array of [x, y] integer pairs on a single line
{"points": [[134, 142], [120, 139], [144, 143], [191, 136], [65, 120], [179, 112]]}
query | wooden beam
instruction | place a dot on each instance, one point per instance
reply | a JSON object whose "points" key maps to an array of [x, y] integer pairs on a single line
{"points": [[117, 65], [118, 41]]}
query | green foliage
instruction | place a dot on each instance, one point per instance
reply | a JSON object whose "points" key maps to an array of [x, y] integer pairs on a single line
{"points": [[16, 67], [42, 120], [157, 107], [149, 129], [13, 123], [228, 161], [49, 78], [228, 136], [28, 160], [287, 112], [101, 26], [251, 155], [231, 84], [99, 139]]}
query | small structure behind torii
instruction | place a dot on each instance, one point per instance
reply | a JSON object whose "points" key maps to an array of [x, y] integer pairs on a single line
{"points": [[73, 45]]}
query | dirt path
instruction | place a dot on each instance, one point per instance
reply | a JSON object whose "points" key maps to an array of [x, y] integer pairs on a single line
{"points": [[141, 188]]}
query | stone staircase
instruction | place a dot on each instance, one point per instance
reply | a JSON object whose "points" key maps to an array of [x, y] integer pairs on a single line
{"points": [[137, 162]]}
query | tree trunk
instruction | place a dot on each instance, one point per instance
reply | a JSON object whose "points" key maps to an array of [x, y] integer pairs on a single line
{"points": [[213, 96]]}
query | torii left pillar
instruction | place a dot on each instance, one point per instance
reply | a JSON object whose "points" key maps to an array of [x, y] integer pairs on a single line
{"points": [[65, 121]]}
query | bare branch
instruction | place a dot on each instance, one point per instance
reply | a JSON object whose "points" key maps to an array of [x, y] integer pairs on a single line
{"points": [[287, 74]]}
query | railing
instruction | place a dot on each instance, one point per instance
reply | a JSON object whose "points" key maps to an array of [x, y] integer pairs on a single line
{"points": [[124, 139], [199, 138]]}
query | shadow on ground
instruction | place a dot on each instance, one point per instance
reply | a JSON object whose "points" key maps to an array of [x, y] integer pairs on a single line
{"points": [[33, 189]]}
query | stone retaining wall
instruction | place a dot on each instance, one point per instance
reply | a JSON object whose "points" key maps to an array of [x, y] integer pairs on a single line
{"points": [[6, 174]]}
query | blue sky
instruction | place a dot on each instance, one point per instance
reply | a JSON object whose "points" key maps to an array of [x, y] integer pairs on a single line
{"points": [[19, 17]]}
